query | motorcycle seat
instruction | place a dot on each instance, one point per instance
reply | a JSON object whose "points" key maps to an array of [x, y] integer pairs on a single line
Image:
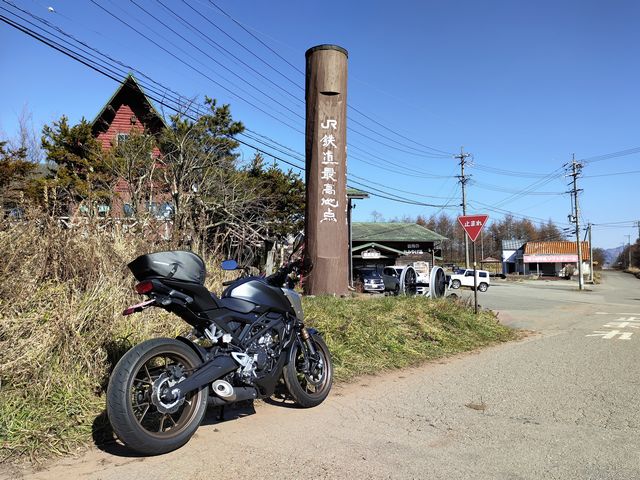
{"points": [[236, 304]]}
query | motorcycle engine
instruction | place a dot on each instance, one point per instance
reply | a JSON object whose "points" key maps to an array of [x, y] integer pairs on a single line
{"points": [[264, 353]]}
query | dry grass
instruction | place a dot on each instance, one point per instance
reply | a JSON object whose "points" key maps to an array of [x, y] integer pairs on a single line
{"points": [[61, 331]]}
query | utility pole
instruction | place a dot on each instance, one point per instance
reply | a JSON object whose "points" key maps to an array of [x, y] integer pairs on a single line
{"points": [[576, 167], [628, 250], [463, 181], [638, 225], [590, 255]]}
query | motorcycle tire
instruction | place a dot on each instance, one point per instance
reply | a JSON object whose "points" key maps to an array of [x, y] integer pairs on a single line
{"points": [[146, 426], [307, 390]]}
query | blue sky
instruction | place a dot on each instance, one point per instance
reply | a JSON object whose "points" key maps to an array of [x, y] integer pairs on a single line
{"points": [[521, 85]]}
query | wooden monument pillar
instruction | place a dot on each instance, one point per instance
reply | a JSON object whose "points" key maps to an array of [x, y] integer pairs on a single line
{"points": [[327, 236]]}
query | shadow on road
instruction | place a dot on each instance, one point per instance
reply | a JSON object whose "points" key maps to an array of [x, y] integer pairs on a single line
{"points": [[105, 439]]}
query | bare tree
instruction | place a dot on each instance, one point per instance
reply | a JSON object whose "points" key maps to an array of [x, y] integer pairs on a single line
{"points": [[133, 160]]}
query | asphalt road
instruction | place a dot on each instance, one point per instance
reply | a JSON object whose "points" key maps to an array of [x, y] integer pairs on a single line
{"points": [[560, 404]]}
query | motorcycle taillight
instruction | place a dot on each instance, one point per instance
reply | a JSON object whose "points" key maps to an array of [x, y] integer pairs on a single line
{"points": [[144, 287]]}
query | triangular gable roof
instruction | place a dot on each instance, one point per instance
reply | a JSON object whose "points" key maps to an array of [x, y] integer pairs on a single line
{"points": [[378, 246], [130, 86]]}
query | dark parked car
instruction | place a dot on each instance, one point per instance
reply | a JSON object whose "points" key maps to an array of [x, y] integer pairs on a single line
{"points": [[371, 280], [391, 279]]}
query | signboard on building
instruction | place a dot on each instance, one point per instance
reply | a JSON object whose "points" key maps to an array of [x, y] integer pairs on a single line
{"points": [[371, 253], [550, 258]]}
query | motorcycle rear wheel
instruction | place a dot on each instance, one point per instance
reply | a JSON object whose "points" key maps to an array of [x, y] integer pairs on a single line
{"points": [[309, 388], [135, 417]]}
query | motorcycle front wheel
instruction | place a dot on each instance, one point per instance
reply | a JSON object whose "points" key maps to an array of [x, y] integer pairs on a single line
{"points": [[308, 377], [141, 418]]}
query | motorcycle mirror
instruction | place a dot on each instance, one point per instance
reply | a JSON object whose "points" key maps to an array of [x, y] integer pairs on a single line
{"points": [[229, 265]]}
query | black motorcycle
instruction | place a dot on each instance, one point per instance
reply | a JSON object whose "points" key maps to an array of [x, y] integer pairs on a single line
{"points": [[243, 345]]}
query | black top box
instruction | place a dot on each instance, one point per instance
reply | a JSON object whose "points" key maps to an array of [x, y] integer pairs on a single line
{"points": [[175, 265]]}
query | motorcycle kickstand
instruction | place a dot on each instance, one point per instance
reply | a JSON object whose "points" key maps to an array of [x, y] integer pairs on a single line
{"points": [[221, 414]]}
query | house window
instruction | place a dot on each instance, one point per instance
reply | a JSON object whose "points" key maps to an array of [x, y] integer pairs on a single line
{"points": [[121, 137], [103, 210], [128, 210]]}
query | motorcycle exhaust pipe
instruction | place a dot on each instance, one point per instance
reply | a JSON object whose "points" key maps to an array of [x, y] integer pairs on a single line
{"points": [[240, 393], [224, 390]]}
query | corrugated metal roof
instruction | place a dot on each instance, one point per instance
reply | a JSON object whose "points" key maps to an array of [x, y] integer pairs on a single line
{"points": [[393, 232], [512, 244], [556, 248]]}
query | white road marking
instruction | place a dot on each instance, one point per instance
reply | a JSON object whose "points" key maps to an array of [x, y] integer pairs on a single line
{"points": [[602, 313], [621, 325], [624, 322], [619, 313], [608, 335]]}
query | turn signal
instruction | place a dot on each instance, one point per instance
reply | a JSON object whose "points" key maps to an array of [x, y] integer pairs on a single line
{"points": [[144, 287]]}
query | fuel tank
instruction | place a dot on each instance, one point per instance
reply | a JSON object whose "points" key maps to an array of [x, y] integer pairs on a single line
{"points": [[258, 292]]}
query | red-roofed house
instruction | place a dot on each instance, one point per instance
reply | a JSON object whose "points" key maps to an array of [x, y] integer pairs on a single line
{"points": [[549, 258], [129, 110]]}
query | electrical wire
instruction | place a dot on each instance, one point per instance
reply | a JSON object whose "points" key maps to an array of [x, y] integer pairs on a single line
{"points": [[35, 35], [386, 127]]}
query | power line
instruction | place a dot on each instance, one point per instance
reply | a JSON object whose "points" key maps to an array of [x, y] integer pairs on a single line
{"points": [[195, 69], [502, 211], [386, 127], [607, 156], [353, 130], [509, 173], [209, 56], [611, 174], [530, 188], [257, 38], [217, 45], [74, 56], [497, 188]]}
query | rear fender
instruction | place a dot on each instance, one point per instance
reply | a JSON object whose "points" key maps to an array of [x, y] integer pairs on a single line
{"points": [[201, 352]]}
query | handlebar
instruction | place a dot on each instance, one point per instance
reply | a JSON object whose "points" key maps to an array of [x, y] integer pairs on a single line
{"points": [[280, 276]]}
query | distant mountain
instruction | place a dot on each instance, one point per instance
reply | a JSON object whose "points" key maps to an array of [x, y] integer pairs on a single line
{"points": [[611, 254]]}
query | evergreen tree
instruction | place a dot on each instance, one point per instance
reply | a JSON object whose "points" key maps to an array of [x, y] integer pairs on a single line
{"points": [[15, 175], [80, 172]]}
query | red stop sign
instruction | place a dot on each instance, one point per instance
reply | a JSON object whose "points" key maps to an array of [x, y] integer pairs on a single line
{"points": [[472, 224]]}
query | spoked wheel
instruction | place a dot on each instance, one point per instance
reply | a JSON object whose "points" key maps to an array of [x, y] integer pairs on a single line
{"points": [[309, 377], [140, 412], [409, 281]]}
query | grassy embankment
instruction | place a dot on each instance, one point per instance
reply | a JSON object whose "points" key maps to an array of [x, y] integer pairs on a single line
{"points": [[633, 271], [61, 294]]}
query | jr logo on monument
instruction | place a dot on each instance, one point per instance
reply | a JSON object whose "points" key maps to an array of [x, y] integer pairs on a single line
{"points": [[473, 224]]}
